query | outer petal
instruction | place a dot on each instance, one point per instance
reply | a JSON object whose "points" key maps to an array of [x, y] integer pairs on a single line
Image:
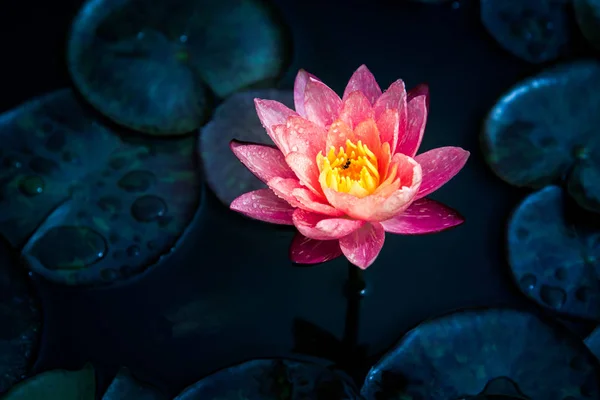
{"points": [[394, 98], [355, 109], [306, 170], [271, 113], [439, 166], [283, 189], [364, 81], [304, 137], [309, 251], [323, 227], [362, 246], [415, 126], [423, 216], [419, 90], [266, 162], [316, 203], [321, 104], [264, 205], [299, 89]]}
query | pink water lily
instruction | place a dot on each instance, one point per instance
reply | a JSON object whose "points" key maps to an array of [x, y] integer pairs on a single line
{"points": [[345, 171]]}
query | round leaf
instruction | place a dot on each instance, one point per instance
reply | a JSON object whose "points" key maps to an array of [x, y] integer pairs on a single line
{"points": [[534, 30], [126, 387], [236, 119], [555, 260], [469, 354], [272, 379], [587, 13], [593, 342], [150, 65], [87, 205]]}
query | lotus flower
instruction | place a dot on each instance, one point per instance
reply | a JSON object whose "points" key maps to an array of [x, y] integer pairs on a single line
{"points": [[344, 171]]}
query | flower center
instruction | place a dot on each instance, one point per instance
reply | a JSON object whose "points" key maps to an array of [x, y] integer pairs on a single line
{"points": [[351, 170]]}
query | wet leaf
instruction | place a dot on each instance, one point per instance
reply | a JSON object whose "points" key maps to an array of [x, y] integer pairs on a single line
{"points": [[555, 259], [587, 14], [534, 30], [235, 119], [593, 342], [126, 387], [272, 379], [545, 129], [86, 205], [477, 352], [20, 320], [151, 65], [57, 385]]}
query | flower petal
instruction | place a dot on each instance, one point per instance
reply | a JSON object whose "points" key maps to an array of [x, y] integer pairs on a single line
{"points": [[419, 90], [323, 227], [362, 246], [283, 189], [271, 113], [388, 124], [316, 203], [394, 98], [337, 134], [364, 81], [321, 104], [423, 216], [299, 90], [304, 137], [266, 162], [416, 110], [439, 166], [264, 205], [355, 109], [306, 170], [309, 251]]}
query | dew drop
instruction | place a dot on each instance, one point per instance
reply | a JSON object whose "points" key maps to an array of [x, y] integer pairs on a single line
{"points": [[43, 165], [528, 282], [137, 181], [148, 208], [31, 185], [553, 296], [133, 251], [12, 163]]}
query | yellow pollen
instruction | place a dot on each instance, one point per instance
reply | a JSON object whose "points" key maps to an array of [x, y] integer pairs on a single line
{"points": [[352, 170]]}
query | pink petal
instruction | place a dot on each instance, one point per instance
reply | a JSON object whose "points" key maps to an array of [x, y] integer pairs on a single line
{"points": [[419, 90], [362, 246], [299, 89], [264, 205], [304, 137], [316, 203], [416, 110], [283, 189], [355, 109], [393, 98], [439, 166], [271, 113], [306, 170], [337, 134], [266, 162], [323, 227], [368, 134], [388, 124], [423, 216], [309, 251], [364, 81], [321, 104]]}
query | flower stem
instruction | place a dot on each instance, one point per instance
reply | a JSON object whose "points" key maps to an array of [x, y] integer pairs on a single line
{"points": [[355, 290]]}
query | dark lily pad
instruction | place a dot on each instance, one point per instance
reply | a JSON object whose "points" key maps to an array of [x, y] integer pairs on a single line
{"points": [[57, 385], [151, 65], [126, 387], [20, 320], [235, 119], [545, 129], [556, 261], [593, 342], [485, 352], [534, 30], [272, 379], [86, 205], [587, 13]]}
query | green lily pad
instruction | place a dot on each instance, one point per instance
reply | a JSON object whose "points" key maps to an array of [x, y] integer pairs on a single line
{"points": [[57, 385], [484, 353], [555, 260], [126, 387], [533, 30], [587, 14], [272, 379], [151, 65], [236, 119], [85, 204], [20, 320], [593, 342], [545, 130]]}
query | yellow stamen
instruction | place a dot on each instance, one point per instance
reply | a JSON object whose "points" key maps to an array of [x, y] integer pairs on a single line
{"points": [[352, 170]]}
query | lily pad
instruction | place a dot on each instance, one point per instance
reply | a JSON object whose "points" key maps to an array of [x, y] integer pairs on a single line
{"points": [[57, 385], [272, 379], [587, 13], [593, 342], [534, 30], [483, 352], [235, 119], [151, 65], [20, 320], [126, 387], [544, 130], [556, 261], [85, 204]]}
